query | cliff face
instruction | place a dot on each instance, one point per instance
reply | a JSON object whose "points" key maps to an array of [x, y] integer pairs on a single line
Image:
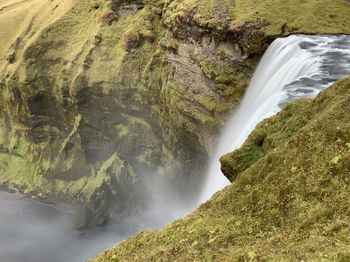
{"points": [[97, 96], [304, 157]]}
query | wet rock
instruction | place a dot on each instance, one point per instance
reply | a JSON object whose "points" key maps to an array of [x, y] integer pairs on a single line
{"points": [[113, 196]]}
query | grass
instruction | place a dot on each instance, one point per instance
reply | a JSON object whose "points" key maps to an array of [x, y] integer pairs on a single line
{"points": [[295, 16]]}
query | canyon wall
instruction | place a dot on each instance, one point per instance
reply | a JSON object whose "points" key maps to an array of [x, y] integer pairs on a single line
{"points": [[99, 96]]}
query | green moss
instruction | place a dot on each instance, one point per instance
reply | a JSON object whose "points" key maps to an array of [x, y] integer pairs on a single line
{"points": [[19, 171], [121, 130], [265, 139], [312, 16], [74, 131], [168, 43], [220, 73]]}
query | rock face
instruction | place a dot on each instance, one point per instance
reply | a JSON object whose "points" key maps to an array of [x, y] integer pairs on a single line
{"points": [[305, 160], [96, 96]]}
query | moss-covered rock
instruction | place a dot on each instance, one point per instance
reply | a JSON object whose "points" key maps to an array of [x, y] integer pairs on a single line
{"points": [[265, 139], [273, 17], [289, 199]]}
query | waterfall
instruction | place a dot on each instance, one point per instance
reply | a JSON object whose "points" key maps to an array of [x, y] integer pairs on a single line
{"points": [[292, 67]]}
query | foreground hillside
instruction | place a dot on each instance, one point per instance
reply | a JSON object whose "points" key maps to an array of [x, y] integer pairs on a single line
{"points": [[289, 200], [96, 95]]}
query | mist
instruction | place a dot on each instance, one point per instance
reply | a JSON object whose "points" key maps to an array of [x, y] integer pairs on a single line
{"points": [[37, 231]]}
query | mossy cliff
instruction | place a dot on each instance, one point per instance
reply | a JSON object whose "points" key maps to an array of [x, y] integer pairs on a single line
{"points": [[96, 95], [289, 200]]}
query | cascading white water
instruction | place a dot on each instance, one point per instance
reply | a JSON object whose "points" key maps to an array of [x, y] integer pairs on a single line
{"points": [[293, 67]]}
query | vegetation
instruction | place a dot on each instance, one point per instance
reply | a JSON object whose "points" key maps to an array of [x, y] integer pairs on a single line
{"points": [[275, 17], [305, 161], [83, 82]]}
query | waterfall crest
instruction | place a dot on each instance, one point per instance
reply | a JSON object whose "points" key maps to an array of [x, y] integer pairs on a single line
{"points": [[293, 67]]}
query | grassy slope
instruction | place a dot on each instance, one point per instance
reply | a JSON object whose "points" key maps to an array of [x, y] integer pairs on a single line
{"points": [[311, 16], [76, 28], [20, 163], [22, 22], [290, 203]]}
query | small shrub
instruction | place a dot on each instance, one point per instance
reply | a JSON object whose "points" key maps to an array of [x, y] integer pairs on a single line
{"points": [[108, 17], [132, 40]]}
